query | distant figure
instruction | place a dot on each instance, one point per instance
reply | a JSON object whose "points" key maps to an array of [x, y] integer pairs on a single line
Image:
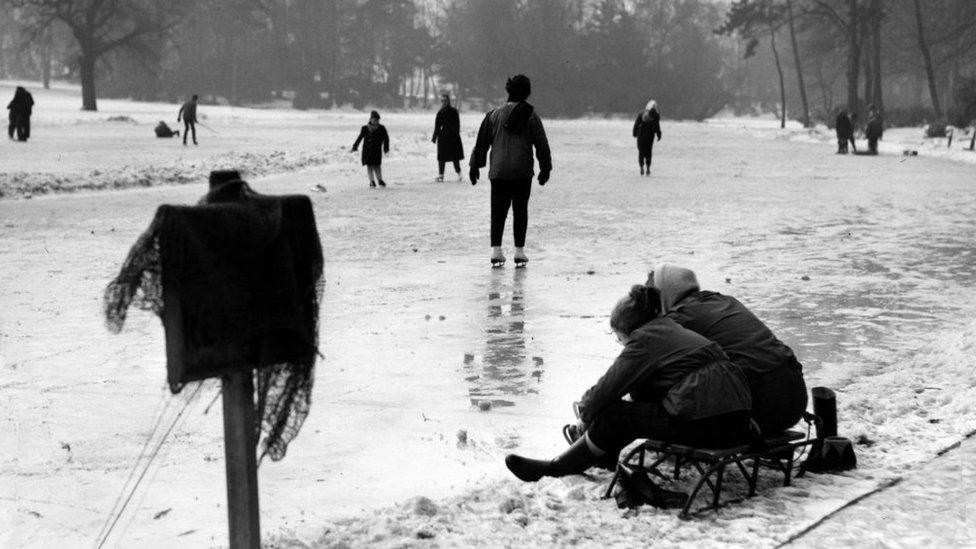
{"points": [[188, 112], [873, 130], [647, 125], [375, 142], [163, 130], [20, 107], [447, 135], [511, 131], [845, 132]]}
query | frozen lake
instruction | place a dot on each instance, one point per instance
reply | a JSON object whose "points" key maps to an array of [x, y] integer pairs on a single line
{"points": [[858, 263]]}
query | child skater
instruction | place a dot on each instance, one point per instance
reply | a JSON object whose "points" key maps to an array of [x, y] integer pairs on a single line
{"points": [[375, 142]]}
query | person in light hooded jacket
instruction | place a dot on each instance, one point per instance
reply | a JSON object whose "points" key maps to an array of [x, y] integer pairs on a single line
{"points": [[680, 388], [779, 393]]}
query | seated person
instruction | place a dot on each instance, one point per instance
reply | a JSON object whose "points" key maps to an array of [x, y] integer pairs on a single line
{"points": [[162, 130], [682, 389], [775, 376]]}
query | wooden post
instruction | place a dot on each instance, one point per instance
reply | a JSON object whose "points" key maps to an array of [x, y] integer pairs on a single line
{"points": [[240, 451]]}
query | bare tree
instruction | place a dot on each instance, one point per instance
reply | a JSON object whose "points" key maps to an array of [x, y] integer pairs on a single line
{"points": [[799, 65], [102, 26], [847, 18], [927, 59]]}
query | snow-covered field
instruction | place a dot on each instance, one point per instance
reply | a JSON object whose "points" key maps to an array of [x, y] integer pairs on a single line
{"points": [[864, 265]]}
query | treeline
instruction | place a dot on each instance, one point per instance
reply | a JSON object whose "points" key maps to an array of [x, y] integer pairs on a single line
{"points": [[800, 58]]}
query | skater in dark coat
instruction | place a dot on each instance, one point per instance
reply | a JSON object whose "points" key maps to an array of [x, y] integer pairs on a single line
{"points": [[775, 376], [375, 142], [646, 127], [874, 130], [21, 107], [511, 132], [447, 135], [188, 112], [682, 389], [845, 131]]}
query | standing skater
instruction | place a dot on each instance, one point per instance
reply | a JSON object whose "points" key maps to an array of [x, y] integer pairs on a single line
{"points": [[375, 142], [188, 112], [647, 125], [511, 131], [447, 135], [873, 130], [845, 131], [20, 108]]}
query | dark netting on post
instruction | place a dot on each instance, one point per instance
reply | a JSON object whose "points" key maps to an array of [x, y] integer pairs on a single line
{"points": [[237, 281]]}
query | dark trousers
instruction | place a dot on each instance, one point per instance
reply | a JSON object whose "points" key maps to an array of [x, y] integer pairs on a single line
{"points": [[20, 125], [440, 166], [189, 126], [873, 145], [621, 423], [512, 193], [842, 144], [644, 154]]}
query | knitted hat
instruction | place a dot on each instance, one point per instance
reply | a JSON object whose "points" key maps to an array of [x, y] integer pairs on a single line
{"points": [[374, 114], [519, 87]]}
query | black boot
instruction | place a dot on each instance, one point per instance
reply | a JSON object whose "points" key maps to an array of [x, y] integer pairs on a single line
{"points": [[575, 460]]}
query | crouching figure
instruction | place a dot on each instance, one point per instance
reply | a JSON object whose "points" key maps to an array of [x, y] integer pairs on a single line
{"points": [[681, 388]]}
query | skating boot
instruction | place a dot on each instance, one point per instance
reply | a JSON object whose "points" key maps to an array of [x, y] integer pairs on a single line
{"points": [[439, 179], [497, 258], [372, 184], [520, 258], [382, 184]]}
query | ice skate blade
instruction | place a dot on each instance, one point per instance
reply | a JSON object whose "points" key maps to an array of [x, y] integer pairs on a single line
{"points": [[495, 264], [521, 264]]}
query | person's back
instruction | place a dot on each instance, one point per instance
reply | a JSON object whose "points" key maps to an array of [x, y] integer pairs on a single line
{"points": [[775, 375], [512, 131], [646, 128], [189, 111]]}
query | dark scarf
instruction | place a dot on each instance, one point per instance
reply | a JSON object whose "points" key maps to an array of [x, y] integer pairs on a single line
{"points": [[518, 119], [237, 282]]}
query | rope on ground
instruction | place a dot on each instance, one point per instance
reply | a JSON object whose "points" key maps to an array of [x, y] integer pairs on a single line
{"points": [[158, 415], [117, 515]]}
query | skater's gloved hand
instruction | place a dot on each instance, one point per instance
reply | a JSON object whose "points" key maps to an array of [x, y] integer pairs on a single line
{"points": [[543, 177], [354, 149], [474, 175]]}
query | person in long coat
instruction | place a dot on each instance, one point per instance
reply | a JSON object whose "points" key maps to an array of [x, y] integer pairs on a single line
{"points": [[21, 108], [447, 135], [682, 388], [188, 113], [845, 131], [775, 376], [873, 130], [375, 142], [646, 127]]}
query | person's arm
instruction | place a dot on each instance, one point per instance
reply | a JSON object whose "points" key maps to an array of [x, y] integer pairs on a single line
{"points": [[637, 124], [541, 144], [362, 135], [386, 141], [631, 366], [179, 115], [437, 127], [479, 155], [657, 128]]}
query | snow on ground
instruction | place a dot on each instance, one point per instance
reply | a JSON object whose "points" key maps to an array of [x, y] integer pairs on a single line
{"points": [[864, 265]]}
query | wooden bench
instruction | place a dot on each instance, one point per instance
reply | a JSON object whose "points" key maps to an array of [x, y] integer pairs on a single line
{"points": [[777, 453]]}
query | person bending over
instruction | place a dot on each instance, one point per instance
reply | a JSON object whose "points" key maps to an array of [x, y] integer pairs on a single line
{"points": [[775, 376], [682, 388]]}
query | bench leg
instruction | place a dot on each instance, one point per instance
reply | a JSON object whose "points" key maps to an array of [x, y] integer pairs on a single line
{"points": [[755, 477], [717, 491]]}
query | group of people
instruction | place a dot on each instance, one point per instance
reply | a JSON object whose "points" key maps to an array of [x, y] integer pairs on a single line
{"points": [[846, 123], [697, 368], [20, 107]]}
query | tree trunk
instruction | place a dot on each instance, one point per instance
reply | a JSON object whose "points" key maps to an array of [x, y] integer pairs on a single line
{"points": [[868, 68], [779, 70], [878, 97], [927, 59], [46, 58], [87, 65], [853, 58], [799, 66]]}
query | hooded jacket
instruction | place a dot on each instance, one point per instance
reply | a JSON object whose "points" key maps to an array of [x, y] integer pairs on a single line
{"points": [[511, 131], [774, 374], [663, 362]]}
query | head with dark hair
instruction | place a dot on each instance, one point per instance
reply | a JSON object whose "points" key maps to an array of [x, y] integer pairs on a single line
{"points": [[195, 97], [519, 88], [374, 115], [641, 305]]}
